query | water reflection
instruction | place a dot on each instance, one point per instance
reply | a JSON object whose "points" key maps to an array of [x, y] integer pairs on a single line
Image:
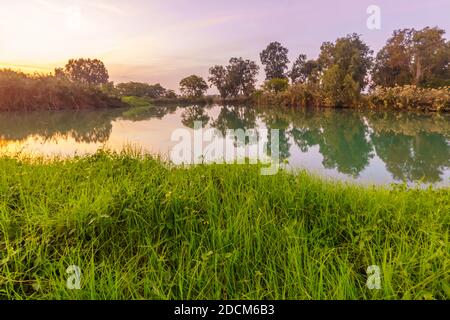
{"points": [[424, 156], [341, 137], [91, 126], [235, 117], [145, 113], [380, 147], [194, 114]]}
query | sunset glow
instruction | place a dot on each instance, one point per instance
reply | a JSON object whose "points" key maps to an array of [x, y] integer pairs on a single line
{"points": [[162, 41], [210, 159]]}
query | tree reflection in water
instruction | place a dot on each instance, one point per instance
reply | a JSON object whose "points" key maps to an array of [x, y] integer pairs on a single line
{"points": [[413, 146], [87, 126], [194, 114]]}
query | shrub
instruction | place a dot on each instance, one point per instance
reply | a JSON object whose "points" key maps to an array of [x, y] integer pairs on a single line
{"points": [[411, 97], [19, 91], [276, 85]]}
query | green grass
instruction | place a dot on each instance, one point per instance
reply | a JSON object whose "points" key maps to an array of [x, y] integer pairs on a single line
{"points": [[136, 102], [137, 113], [141, 229], [140, 107]]}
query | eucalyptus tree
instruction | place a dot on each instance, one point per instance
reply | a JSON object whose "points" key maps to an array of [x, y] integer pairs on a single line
{"points": [[344, 66], [275, 60], [85, 71], [193, 86], [235, 79], [420, 57]]}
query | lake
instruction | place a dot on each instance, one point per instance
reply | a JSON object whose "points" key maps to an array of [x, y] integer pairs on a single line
{"points": [[362, 146]]}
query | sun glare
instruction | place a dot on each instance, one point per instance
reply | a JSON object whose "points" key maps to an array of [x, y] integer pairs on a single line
{"points": [[47, 34]]}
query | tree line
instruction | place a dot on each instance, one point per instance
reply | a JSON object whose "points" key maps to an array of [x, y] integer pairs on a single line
{"points": [[78, 85], [343, 69]]}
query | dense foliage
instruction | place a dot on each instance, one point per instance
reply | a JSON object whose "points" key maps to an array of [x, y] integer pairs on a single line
{"points": [[19, 91], [418, 57], [411, 97], [275, 60], [193, 86], [84, 71], [238, 78], [412, 71], [139, 89]]}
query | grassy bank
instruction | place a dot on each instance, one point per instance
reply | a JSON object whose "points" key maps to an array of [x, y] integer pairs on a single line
{"points": [[411, 98], [407, 98], [139, 229], [134, 101], [24, 92]]}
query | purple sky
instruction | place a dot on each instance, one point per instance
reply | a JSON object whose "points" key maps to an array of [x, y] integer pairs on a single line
{"points": [[166, 40]]}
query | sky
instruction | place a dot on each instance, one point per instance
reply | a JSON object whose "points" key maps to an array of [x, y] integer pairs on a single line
{"points": [[162, 41]]}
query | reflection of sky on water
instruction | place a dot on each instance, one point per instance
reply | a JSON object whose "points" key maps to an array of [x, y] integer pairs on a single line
{"points": [[369, 148]]}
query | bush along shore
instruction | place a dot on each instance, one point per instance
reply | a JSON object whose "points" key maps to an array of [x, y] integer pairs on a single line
{"points": [[411, 98], [410, 72], [408, 97], [138, 228], [23, 92]]}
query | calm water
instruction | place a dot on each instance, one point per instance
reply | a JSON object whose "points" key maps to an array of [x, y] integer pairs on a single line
{"points": [[362, 146]]}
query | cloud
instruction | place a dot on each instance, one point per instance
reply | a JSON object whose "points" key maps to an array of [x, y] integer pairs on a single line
{"points": [[109, 8], [48, 5], [59, 7], [210, 22]]}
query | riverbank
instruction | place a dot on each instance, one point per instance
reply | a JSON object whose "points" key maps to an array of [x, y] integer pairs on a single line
{"points": [[25, 92], [141, 229], [399, 98], [402, 98]]}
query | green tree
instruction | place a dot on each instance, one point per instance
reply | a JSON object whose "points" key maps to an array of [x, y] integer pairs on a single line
{"points": [[297, 72], [420, 57], [429, 51], [241, 76], [156, 91], [136, 89], [219, 79], [109, 89], [193, 86], [344, 67], [276, 85], [392, 62], [139, 89], [275, 61], [304, 70], [170, 94], [237, 78], [85, 71]]}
